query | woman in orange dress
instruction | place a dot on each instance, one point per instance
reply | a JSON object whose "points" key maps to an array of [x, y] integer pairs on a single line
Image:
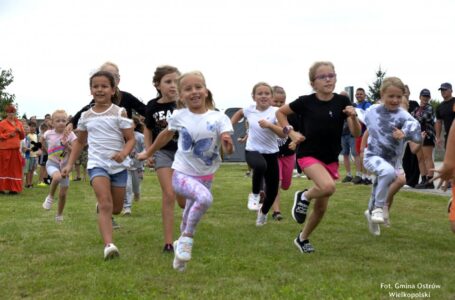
{"points": [[11, 134]]}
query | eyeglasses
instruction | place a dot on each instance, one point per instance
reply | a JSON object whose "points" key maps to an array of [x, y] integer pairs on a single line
{"points": [[329, 76]]}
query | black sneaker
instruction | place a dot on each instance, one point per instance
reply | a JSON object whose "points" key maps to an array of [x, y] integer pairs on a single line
{"points": [[300, 207], [168, 248], [115, 225], [429, 185], [277, 216], [304, 246], [357, 180], [347, 179], [367, 181]]}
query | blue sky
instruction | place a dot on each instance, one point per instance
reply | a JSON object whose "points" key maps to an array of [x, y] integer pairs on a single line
{"points": [[53, 46]]}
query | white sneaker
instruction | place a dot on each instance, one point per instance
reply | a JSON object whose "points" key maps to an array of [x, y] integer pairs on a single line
{"points": [[126, 211], [184, 248], [261, 219], [47, 204], [178, 264], [253, 201], [110, 251], [373, 227], [59, 218], [377, 215]]}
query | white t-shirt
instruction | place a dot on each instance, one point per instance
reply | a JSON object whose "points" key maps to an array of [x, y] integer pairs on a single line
{"points": [[105, 137], [199, 143], [261, 139]]}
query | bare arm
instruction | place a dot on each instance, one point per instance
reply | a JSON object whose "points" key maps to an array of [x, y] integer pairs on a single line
{"points": [[438, 130], [226, 143], [237, 116], [282, 117], [78, 145], [130, 141], [275, 128], [353, 122], [161, 140]]}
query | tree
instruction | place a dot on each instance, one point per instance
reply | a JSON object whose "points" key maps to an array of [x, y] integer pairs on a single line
{"points": [[6, 78], [374, 90]]}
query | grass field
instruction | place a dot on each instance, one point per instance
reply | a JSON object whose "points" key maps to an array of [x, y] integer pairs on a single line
{"points": [[232, 258]]}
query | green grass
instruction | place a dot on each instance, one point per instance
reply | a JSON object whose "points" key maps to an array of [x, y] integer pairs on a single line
{"points": [[232, 259]]}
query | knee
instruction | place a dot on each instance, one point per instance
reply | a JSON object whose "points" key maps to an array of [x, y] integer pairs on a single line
{"points": [[401, 180], [207, 200], [105, 205], [328, 188]]}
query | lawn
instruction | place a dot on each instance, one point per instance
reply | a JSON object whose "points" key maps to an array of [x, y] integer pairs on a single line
{"points": [[232, 258]]}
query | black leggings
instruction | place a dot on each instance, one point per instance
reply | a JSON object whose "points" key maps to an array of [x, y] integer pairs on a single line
{"points": [[265, 168]]}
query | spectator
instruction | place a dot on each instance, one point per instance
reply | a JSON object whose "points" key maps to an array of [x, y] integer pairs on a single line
{"points": [[11, 134]]}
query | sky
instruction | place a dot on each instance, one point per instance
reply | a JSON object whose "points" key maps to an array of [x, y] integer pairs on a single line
{"points": [[53, 46]]}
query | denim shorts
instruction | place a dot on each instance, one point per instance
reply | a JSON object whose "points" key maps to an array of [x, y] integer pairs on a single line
{"points": [[117, 179]]}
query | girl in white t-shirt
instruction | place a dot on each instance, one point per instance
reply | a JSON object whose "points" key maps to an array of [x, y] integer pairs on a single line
{"points": [[261, 150], [109, 133], [202, 131], [58, 147]]}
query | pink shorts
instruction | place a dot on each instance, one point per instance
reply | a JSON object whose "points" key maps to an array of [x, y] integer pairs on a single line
{"points": [[286, 165], [308, 161]]}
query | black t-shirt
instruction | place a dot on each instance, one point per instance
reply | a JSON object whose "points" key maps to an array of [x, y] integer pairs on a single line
{"points": [[446, 113], [127, 101], [284, 150], [321, 122], [156, 116]]}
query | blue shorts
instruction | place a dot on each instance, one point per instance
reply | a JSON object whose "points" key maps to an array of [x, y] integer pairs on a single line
{"points": [[348, 145], [117, 179]]}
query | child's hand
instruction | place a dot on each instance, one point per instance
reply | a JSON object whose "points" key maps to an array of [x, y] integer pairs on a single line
{"points": [[292, 146], [445, 174], [227, 143], [264, 123], [296, 137], [65, 171], [397, 134], [141, 156], [119, 157], [350, 111]]}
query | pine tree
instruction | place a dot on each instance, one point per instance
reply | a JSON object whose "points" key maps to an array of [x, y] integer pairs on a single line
{"points": [[374, 90]]}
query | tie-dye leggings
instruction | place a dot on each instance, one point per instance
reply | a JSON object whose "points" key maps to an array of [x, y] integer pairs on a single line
{"points": [[198, 196], [385, 175]]}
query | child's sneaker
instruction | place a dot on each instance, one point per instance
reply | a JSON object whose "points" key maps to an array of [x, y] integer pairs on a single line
{"points": [[300, 207], [372, 227], [115, 225], [110, 251], [59, 218], [168, 248], [184, 248], [41, 184], [377, 215], [304, 246], [126, 211], [261, 219], [277, 216], [253, 201], [178, 264], [47, 204]]}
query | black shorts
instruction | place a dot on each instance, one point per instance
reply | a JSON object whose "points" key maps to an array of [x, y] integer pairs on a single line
{"points": [[428, 141], [42, 159]]}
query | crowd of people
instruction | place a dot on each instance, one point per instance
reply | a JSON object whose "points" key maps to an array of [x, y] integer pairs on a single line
{"points": [[181, 134]]}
